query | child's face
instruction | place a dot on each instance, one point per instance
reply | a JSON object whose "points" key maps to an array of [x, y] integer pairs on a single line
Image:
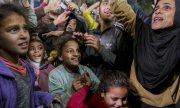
{"points": [[36, 51], [116, 97], [71, 54], [105, 10], [71, 25], [14, 36]]}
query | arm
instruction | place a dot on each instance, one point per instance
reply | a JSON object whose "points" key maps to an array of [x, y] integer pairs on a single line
{"points": [[43, 98], [94, 80], [32, 19], [77, 100], [58, 87], [139, 12], [124, 14], [86, 14]]}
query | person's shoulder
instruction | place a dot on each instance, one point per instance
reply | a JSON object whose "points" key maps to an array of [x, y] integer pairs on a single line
{"points": [[84, 67], [56, 70], [118, 25]]}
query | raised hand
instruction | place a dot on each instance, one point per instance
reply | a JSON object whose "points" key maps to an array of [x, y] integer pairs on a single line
{"points": [[62, 18], [93, 41]]}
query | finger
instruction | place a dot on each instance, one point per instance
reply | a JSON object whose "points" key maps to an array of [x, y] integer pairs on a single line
{"points": [[90, 42]]}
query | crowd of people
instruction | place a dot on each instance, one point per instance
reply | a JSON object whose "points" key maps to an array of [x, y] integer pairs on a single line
{"points": [[89, 54]]}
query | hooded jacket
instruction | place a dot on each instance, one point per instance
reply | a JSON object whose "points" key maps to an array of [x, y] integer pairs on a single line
{"points": [[8, 89]]}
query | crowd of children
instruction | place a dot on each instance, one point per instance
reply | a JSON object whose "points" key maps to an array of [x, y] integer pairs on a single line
{"points": [[89, 54]]}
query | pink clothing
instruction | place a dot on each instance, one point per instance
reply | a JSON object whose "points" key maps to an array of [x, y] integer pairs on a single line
{"points": [[80, 100]]}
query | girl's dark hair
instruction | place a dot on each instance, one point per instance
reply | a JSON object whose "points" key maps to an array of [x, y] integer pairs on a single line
{"points": [[8, 9], [113, 78], [35, 40], [61, 41], [80, 25]]}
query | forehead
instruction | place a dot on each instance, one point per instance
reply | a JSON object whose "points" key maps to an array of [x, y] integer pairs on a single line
{"points": [[73, 20], [12, 19], [71, 43], [170, 2], [36, 43], [118, 92], [104, 0]]}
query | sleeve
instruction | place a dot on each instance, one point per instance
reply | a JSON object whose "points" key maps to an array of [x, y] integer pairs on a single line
{"points": [[124, 14], [43, 98], [43, 81], [57, 87], [32, 19], [39, 11], [77, 100], [92, 24], [94, 80], [139, 12]]}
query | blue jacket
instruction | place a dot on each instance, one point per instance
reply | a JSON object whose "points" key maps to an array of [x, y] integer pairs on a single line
{"points": [[8, 89]]}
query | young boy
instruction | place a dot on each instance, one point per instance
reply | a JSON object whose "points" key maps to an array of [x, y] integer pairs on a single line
{"points": [[113, 92], [69, 77]]}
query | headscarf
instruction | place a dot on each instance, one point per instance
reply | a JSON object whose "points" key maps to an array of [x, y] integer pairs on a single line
{"points": [[157, 54]]}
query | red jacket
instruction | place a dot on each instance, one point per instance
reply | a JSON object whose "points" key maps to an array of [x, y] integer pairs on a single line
{"points": [[80, 100]]}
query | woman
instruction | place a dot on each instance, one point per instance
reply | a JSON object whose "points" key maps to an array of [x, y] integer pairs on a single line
{"points": [[155, 70]]}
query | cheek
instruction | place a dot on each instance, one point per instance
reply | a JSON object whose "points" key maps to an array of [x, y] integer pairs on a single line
{"points": [[109, 101]]}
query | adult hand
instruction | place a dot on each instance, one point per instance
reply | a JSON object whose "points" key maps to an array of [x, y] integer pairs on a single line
{"points": [[53, 6], [62, 18], [93, 41]]}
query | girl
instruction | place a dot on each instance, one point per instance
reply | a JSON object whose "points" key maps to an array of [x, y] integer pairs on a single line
{"points": [[36, 54], [69, 77], [16, 76], [113, 92]]}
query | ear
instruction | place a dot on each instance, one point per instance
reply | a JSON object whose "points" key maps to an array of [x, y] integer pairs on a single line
{"points": [[103, 95], [60, 58]]}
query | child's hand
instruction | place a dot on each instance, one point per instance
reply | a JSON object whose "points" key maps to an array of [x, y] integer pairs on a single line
{"points": [[92, 41], [77, 83], [86, 79]]}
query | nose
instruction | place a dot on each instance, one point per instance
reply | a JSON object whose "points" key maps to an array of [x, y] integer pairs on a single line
{"points": [[76, 53], [24, 34], [119, 103]]}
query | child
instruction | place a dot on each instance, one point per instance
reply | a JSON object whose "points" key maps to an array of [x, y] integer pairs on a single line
{"points": [[16, 76], [36, 54], [113, 92], [69, 77]]}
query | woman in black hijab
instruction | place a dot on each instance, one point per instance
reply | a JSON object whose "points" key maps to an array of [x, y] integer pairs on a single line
{"points": [[156, 67]]}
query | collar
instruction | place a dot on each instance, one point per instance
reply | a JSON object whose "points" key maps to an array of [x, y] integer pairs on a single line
{"points": [[5, 71]]}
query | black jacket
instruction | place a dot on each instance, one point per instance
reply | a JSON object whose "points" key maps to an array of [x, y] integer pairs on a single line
{"points": [[115, 51]]}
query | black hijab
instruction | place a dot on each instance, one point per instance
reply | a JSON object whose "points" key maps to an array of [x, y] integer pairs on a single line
{"points": [[157, 54]]}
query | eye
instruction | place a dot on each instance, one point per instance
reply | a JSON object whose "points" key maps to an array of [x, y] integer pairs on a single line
{"points": [[166, 8], [70, 51], [13, 29], [31, 48], [26, 29]]}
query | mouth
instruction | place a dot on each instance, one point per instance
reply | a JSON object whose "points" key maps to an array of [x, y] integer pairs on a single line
{"points": [[23, 45], [158, 19], [69, 29], [37, 55], [75, 59]]}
